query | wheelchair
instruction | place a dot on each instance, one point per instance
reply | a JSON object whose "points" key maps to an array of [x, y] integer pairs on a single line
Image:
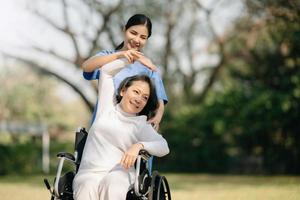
{"points": [[148, 185]]}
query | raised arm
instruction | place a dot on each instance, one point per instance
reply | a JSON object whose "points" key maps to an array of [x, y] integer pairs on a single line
{"points": [[96, 62], [106, 86]]}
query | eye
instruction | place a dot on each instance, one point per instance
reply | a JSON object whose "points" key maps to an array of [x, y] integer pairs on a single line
{"points": [[135, 91], [146, 98], [133, 32]]}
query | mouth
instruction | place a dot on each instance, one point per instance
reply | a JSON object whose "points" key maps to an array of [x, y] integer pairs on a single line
{"points": [[134, 46], [134, 105]]}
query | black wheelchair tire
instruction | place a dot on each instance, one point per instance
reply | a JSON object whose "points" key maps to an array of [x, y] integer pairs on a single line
{"points": [[159, 188]]}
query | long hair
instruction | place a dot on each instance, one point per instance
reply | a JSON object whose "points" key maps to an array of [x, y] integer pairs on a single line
{"points": [[137, 19], [152, 103]]}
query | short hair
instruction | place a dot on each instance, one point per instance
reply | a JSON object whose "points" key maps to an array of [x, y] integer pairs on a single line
{"points": [[152, 103]]}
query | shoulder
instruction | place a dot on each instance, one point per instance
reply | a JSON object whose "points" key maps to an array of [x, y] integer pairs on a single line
{"points": [[139, 68], [105, 52], [157, 73]]}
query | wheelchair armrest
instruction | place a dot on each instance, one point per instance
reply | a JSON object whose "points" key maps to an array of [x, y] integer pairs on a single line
{"points": [[66, 155], [144, 154], [140, 173], [62, 157]]}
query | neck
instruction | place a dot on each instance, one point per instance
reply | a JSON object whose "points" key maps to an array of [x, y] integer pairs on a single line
{"points": [[121, 110]]}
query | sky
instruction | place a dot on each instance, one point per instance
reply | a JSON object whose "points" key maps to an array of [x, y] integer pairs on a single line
{"points": [[20, 29], [13, 20], [17, 23]]}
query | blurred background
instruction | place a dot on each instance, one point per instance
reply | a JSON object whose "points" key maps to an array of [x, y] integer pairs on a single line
{"points": [[231, 69]]}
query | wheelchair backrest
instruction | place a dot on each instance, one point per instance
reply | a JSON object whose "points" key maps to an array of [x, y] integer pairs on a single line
{"points": [[80, 139]]}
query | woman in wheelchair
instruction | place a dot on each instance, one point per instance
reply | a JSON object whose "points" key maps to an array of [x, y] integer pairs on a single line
{"points": [[119, 132]]}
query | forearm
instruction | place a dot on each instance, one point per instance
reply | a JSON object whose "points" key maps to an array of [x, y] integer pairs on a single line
{"points": [[156, 148], [161, 108], [114, 67], [95, 62]]}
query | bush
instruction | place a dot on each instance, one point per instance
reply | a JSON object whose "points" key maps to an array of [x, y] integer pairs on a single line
{"points": [[26, 158]]}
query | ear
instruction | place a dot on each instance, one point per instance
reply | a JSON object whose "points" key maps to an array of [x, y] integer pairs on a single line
{"points": [[122, 92]]}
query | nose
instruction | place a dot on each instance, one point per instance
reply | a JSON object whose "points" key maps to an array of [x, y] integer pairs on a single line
{"points": [[136, 40], [138, 100]]}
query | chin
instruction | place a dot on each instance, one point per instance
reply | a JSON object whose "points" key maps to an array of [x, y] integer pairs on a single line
{"points": [[136, 112]]}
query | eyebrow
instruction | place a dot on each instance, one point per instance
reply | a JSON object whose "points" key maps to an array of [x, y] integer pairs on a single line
{"points": [[137, 32], [145, 94]]}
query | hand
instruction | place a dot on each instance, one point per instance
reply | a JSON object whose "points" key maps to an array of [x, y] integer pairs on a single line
{"points": [[131, 55], [130, 155], [155, 120], [147, 62]]}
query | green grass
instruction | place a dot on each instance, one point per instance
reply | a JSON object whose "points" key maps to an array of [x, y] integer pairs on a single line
{"points": [[183, 187]]}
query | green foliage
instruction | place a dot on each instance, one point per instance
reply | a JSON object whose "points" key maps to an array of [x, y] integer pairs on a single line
{"points": [[251, 124], [26, 157], [195, 140], [27, 96], [267, 71]]}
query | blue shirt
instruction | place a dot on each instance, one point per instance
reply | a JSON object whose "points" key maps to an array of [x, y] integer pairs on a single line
{"points": [[133, 69]]}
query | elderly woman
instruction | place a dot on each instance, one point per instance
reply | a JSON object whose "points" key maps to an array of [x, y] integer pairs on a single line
{"points": [[119, 132]]}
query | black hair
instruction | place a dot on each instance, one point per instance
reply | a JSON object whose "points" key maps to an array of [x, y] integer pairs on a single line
{"points": [[152, 103], [137, 19]]}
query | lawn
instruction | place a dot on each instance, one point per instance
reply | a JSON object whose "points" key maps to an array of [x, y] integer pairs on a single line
{"points": [[183, 187]]}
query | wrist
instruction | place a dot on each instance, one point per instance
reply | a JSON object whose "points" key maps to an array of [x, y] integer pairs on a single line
{"points": [[119, 54], [140, 145]]}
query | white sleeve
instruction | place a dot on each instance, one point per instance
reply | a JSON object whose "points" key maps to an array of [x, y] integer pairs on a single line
{"points": [[153, 142], [114, 67], [106, 86]]}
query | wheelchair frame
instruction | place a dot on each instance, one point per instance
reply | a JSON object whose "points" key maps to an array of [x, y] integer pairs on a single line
{"points": [[147, 185]]}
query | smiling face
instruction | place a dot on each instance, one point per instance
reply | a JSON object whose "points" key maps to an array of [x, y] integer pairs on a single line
{"points": [[135, 37], [135, 97]]}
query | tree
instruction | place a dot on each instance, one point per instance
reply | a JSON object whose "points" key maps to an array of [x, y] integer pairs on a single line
{"points": [[23, 100], [88, 26], [264, 68]]}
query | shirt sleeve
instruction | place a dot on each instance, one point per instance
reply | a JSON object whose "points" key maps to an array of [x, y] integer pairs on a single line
{"points": [[94, 75], [106, 85], [160, 89], [153, 142]]}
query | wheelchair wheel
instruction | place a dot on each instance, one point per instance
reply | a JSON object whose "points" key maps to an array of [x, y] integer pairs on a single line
{"points": [[65, 186], [159, 188]]}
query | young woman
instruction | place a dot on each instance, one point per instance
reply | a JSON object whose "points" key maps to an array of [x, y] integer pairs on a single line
{"points": [[119, 132], [136, 33]]}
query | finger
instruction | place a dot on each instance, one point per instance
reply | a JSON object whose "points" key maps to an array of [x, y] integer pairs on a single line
{"points": [[136, 55], [140, 53], [122, 160], [128, 58], [127, 162], [131, 163], [135, 52], [153, 68], [151, 121], [156, 127]]}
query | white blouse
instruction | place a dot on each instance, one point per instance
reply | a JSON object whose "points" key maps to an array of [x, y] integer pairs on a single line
{"points": [[114, 131]]}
